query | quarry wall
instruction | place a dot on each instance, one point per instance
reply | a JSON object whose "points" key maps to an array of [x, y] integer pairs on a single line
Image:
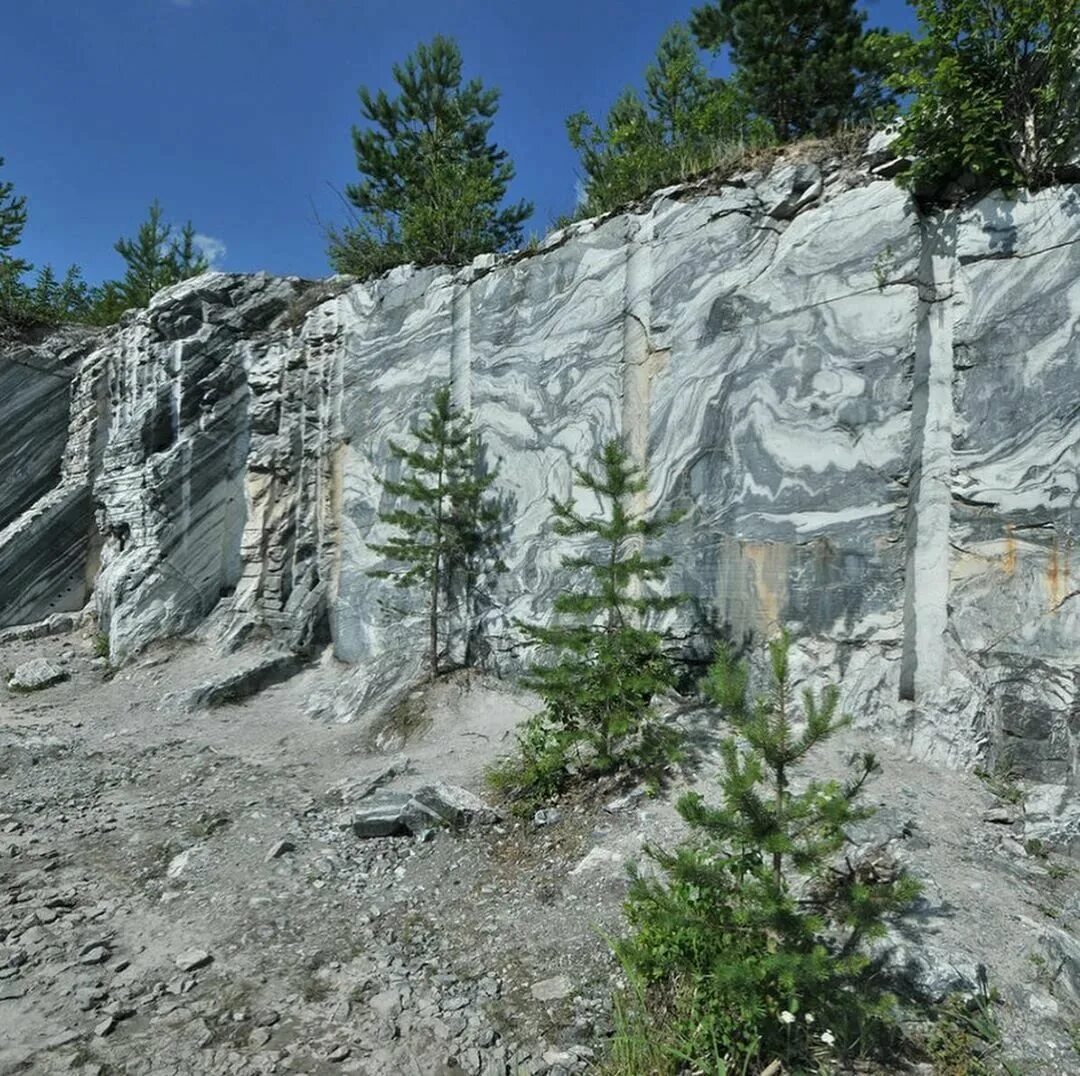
{"points": [[870, 415]]}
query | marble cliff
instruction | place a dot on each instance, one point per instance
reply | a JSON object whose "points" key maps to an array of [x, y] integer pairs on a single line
{"points": [[870, 414]]}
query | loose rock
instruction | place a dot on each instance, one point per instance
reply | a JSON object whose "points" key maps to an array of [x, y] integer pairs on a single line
{"points": [[36, 674], [193, 959]]}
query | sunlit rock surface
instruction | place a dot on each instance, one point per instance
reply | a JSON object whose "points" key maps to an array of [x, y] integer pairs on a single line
{"points": [[870, 416]]}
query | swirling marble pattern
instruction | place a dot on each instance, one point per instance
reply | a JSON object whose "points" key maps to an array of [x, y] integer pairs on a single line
{"points": [[871, 418]]}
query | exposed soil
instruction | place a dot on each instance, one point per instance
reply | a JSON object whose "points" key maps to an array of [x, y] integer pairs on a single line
{"points": [[134, 832]]}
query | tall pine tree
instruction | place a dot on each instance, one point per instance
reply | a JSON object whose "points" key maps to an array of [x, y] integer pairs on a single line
{"points": [[433, 183], [799, 61], [609, 665], [446, 525]]}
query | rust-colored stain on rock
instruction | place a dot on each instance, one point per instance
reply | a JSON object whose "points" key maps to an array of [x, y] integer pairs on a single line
{"points": [[1057, 572]]}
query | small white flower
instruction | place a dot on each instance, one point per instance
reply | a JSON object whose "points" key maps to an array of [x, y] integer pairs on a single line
{"points": [[787, 1017], [828, 1038], [809, 1017]]}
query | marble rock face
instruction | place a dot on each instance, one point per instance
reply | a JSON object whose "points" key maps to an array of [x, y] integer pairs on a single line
{"points": [[870, 416], [49, 415]]}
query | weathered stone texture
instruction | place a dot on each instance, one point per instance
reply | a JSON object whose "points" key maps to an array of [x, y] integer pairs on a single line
{"points": [[871, 417], [49, 416]]}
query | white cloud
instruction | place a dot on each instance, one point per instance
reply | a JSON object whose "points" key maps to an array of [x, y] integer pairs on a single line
{"points": [[213, 250]]}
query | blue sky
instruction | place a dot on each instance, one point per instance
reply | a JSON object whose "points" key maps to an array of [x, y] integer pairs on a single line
{"points": [[235, 114]]}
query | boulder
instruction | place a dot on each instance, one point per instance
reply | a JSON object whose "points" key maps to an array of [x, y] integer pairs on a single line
{"points": [[456, 806], [381, 816], [392, 814], [36, 674]]}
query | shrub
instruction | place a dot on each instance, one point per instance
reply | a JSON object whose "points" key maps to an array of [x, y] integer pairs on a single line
{"points": [[751, 947], [682, 126], [995, 92]]}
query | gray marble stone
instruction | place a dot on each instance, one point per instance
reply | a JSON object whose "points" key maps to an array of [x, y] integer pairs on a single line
{"points": [[870, 416], [49, 415]]}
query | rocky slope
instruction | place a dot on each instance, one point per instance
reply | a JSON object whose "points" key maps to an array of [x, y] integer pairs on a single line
{"points": [[187, 894], [869, 413]]}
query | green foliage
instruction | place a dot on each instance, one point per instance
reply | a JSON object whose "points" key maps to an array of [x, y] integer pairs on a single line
{"points": [[155, 259], [46, 301], [995, 92], [450, 527], [805, 64], [433, 183], [607, 665], [965, 1039], [752, 947], [12, 222], [100, 643], [1002, 782], [683, 125]]}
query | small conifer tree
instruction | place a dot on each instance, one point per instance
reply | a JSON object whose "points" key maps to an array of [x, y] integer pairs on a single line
{"points": [[761, 920], [681, 125], [12, 216], [12, 222], [446, 531], [608, 665], [155, 259]]}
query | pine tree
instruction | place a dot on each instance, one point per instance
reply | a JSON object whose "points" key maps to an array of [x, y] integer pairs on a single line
{"points": [[445, 531], [433, 184], [680, 126], [155, 260], [74, 298], [760, 917], [12, 222], [799, 61], [480, 533], [609, 666], [12, 216], [45, 294]]}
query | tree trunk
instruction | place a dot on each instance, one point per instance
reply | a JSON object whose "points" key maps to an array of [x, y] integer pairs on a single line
{"points": [[433, 622]]}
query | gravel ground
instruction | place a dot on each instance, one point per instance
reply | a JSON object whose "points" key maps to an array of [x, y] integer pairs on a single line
{"points": [[182, 892]]}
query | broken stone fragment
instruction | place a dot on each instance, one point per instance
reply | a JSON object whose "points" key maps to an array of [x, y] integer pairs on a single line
{"points": [[553, 989], [547, 816], [456, 806], [380, 816], [392, 814], [259, 1036], [192, 959], [280, 848], [36, 674]]}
